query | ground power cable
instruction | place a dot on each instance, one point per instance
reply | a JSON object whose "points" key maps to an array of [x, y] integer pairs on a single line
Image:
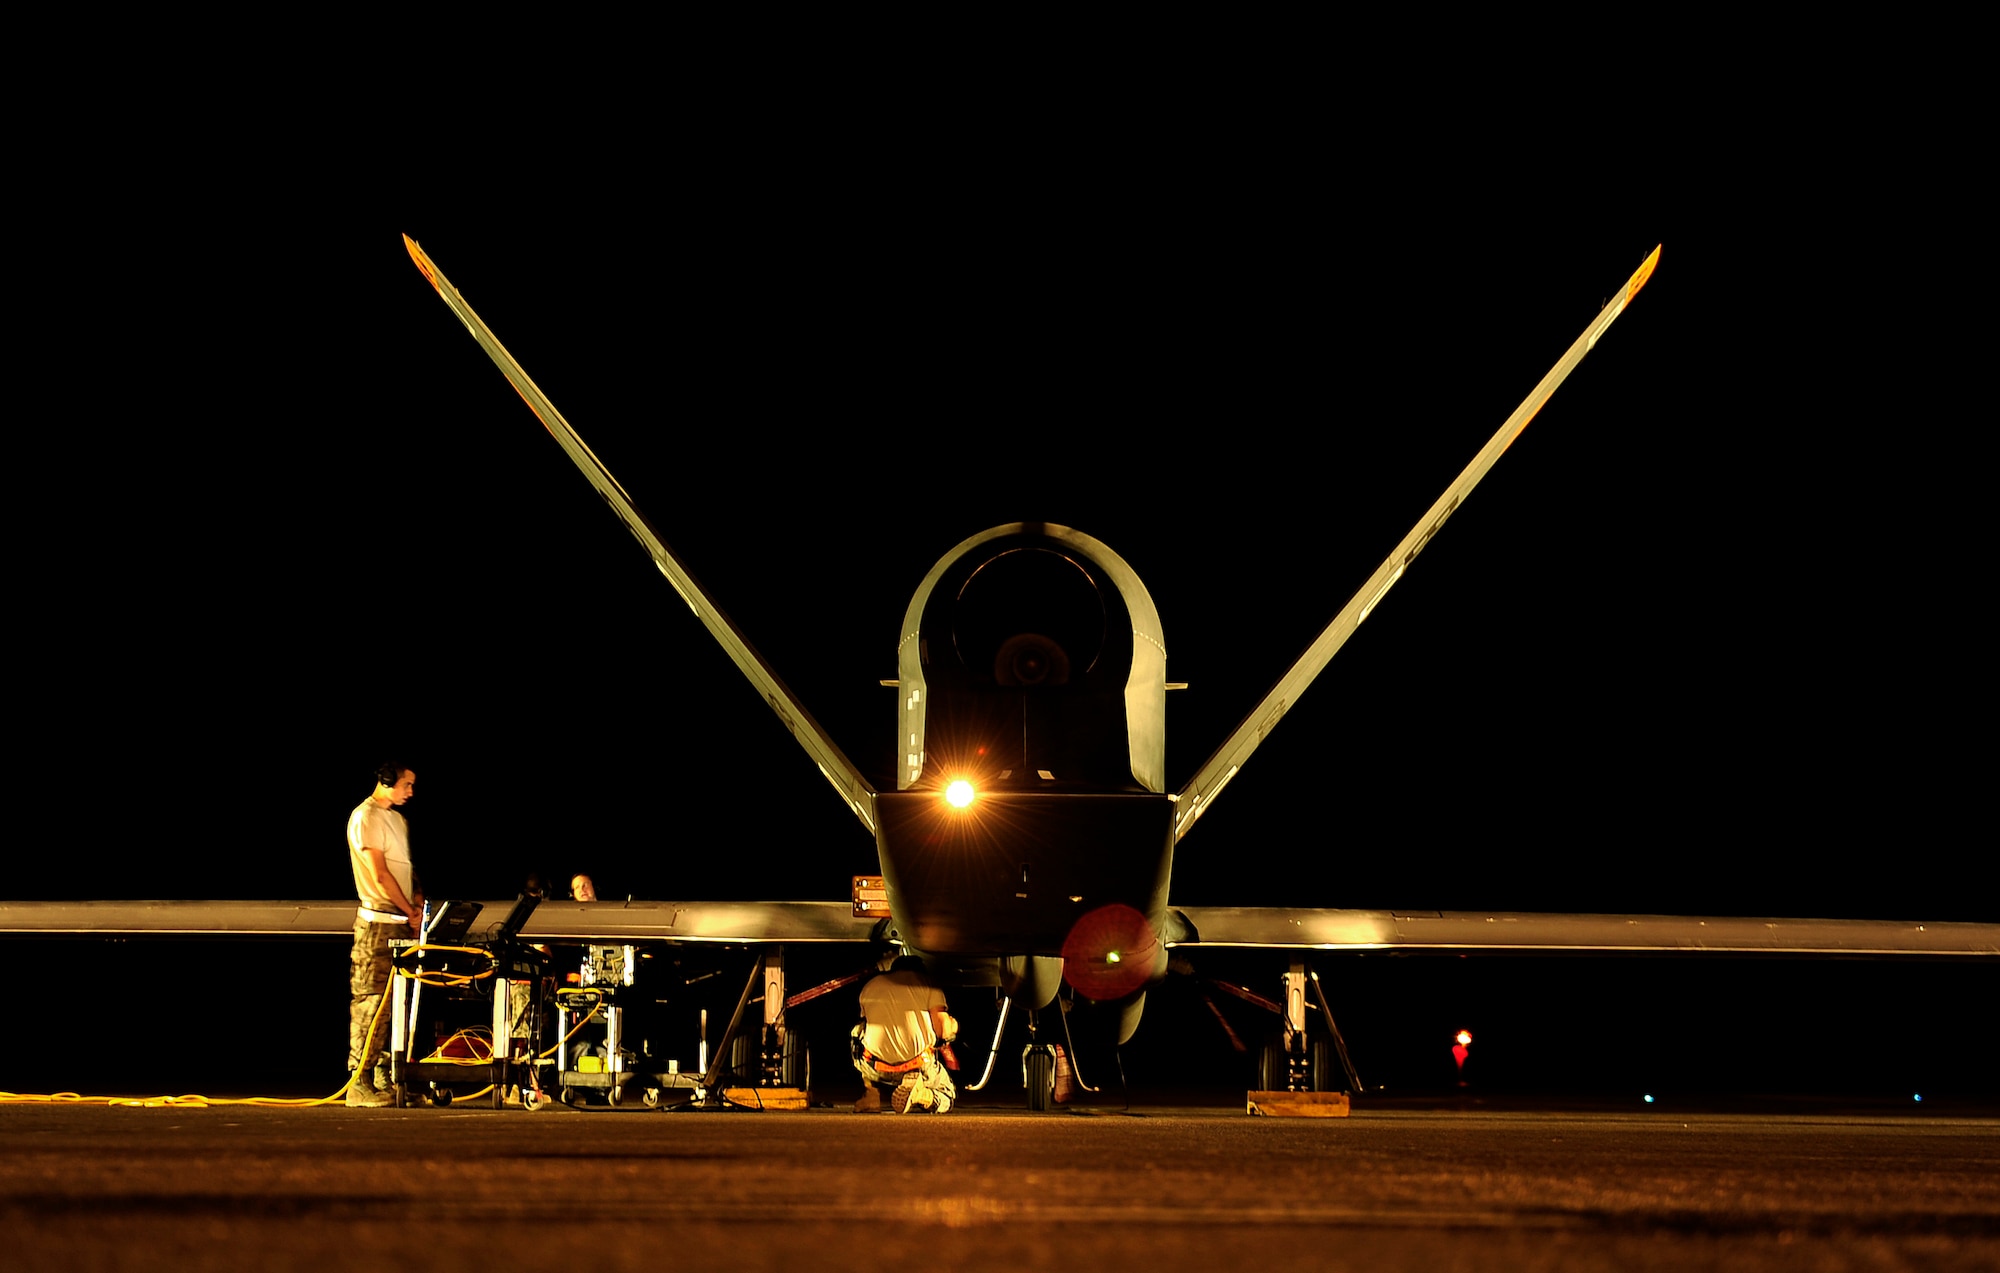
{"points": [[195, 1101]]}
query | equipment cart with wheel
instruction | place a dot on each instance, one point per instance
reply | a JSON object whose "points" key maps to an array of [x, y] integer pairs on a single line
{"points": [[454, 977], [595, 1056]]}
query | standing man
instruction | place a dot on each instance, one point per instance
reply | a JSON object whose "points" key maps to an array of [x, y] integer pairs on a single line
{"points": [[904, 1023], [392, 905]]}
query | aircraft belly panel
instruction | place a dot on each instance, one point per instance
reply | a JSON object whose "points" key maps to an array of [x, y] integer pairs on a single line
{"points": [[1014, 873]]}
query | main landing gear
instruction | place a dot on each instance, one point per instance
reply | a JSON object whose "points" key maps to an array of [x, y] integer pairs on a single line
{"points": [[1291, 1061]]}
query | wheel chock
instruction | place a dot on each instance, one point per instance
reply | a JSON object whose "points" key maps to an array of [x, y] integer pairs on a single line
{"points": [[1298, 1104]]}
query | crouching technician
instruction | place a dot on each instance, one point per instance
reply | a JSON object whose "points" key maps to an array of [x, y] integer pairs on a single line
{"points": [[904, 1027]]}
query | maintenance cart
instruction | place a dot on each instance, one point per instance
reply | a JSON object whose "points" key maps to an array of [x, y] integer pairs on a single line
{"points": [[595, 1057], [455, 980]]}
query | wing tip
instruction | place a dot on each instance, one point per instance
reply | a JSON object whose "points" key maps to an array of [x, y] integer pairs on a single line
{"points": [[424, 266], [1644, 272]]}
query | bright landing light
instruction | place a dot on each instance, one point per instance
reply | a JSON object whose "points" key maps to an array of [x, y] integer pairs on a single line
{"points": [[958, 794]]}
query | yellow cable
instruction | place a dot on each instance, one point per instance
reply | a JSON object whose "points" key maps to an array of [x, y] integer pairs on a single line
{"points": [[447, 980], [193, 1101], [572, 1032], [475, 1036]]}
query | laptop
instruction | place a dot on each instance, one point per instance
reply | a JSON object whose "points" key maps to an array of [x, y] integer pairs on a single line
{"points": [[524, 906], [450, 922]]}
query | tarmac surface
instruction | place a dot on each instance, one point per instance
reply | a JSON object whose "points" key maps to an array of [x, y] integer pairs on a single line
{"points": [[1161, 1188]]}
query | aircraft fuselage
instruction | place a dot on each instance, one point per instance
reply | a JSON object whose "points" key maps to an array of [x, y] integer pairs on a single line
{"points": [[1033, 670]]}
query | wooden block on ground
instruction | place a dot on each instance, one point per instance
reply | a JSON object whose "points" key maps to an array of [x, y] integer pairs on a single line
{"points": [[766, 1097], [1299, 1104]]}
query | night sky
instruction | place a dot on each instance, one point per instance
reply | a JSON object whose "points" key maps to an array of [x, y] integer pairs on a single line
{"points": [[1703, 642]]}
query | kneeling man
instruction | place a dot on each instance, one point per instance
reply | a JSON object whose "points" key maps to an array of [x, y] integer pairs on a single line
{"points": [[903, 1028]]}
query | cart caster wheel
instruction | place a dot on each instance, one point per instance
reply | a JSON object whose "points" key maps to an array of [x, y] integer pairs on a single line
{"points": [[569, 1096], [614, 1096], [499, 1096], [651, 1098], [441, 1097], [531, 1100]]}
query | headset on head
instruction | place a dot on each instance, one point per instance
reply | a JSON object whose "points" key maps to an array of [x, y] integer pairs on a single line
{"points": [[389, 775]]}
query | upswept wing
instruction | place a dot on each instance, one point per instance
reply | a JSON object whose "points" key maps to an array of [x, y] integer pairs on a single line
{"points": [[1210, 779], [1269, 927], [854, 789]]}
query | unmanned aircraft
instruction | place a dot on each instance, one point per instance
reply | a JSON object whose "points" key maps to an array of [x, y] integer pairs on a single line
{"points": [[1028, 837]]}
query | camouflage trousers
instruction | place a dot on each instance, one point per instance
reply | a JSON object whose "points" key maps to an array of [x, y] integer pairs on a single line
{"points": [[931, 1074], [367, 1019]]}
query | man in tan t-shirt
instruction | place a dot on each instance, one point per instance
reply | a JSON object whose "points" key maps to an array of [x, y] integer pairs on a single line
{"points": [[904, 1023], [392, 905]]}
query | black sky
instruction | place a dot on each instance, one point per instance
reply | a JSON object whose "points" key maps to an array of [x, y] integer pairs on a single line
{"points": [[1700, 636]]}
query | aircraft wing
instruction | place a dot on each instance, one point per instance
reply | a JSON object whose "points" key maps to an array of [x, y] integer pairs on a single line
{"points": [[833, 763], [1270, 927], [719, 922], [1354, 930], [1215, 774]]}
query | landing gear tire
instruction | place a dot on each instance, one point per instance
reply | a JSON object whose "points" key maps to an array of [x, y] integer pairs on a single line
{"points": [[794, 1063], [1040, 1074], [1323, 1071], [1274, 1072], [1270, 1066]]}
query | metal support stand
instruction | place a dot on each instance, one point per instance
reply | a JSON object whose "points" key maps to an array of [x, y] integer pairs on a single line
{"points": [[502, 1027], [1075, 1070], [993, 1053], [713, 1074], [771, 1052], [1298, 1057], [1339, 1044]]}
